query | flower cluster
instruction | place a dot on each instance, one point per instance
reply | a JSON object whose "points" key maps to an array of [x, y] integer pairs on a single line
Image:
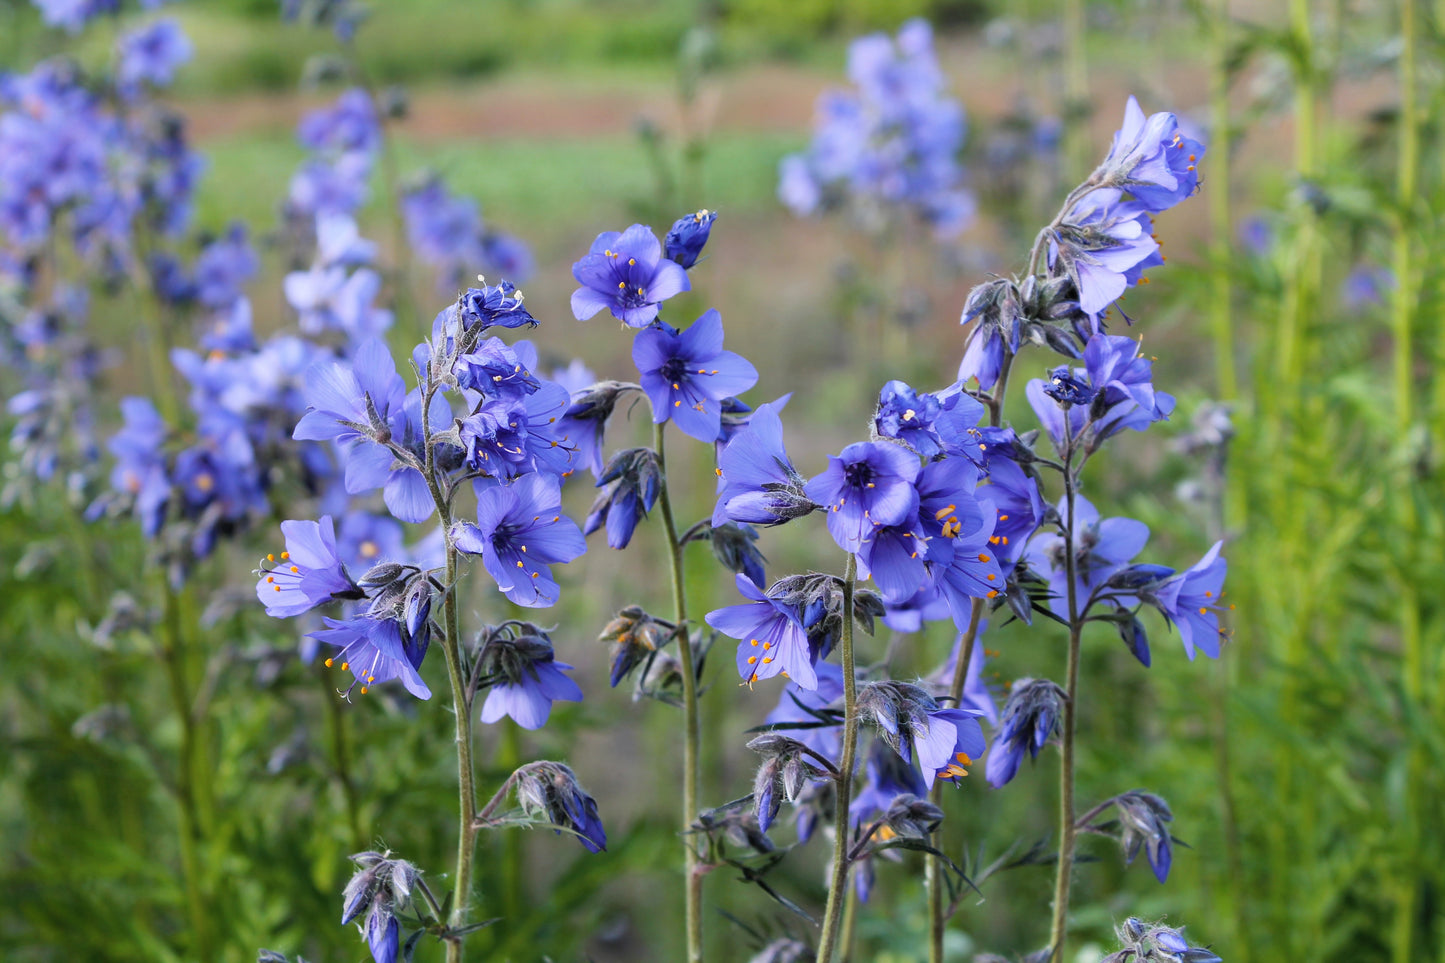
{"points": [[890, 141]]}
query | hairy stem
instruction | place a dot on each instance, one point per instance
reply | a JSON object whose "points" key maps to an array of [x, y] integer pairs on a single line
{"points": [[690, 769], [461, 695], [1067, 829], [837, 889]]}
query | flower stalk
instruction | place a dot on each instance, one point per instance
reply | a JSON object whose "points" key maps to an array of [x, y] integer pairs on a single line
{"points": [[838, 888], [1067, 823], [691, 726]]}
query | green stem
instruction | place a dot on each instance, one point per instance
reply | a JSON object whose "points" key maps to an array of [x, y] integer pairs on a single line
{"points": [[1219, 198], [1411, 637], [466, 785], [173, 657], [837, 889], [850, 923], [460, 680], [691, 726], [1063, 878]]}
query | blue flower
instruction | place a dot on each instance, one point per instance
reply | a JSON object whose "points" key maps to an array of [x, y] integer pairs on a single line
{"points": [[772, 635], [687, 374], [866, 485], [309, 573], [949, 742], [348, 125], [375, 651], [495, 370], [1103, 245], [152, 54], [626, 274], [1116, 368], [520, 532], [1151, 159], [1191, 600], [687, 237], [1015, 497], [760, 486], [140, 465], [382, 933], [223, 266], [509, 436], [931, 424], [494, 306]]}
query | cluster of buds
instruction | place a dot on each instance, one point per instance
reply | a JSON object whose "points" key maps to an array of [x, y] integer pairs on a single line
{"points": [[1157, 943]]}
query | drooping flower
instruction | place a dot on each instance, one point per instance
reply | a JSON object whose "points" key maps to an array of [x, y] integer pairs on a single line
{"points": [[520, 533], [866, 485], [953, 740], [1191, 600], [772, 636], [687, 237], [551, 790], [687, 374], [524, 677], [309, 573], [375, 651], [625, 273], [1103, 245], [495, 306], [1116, 368], [584, 424], [1031, 715], [760, 486], [629, 486], [1102, 547]]}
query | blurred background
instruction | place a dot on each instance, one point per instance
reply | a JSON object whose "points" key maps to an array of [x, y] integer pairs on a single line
{"points": [[1303, 288]]}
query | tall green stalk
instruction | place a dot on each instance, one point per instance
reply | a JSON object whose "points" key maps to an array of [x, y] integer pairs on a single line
{"points": [[838, 886], [1402, 325], [1217, 165], [691, 726], [174, 657]]}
